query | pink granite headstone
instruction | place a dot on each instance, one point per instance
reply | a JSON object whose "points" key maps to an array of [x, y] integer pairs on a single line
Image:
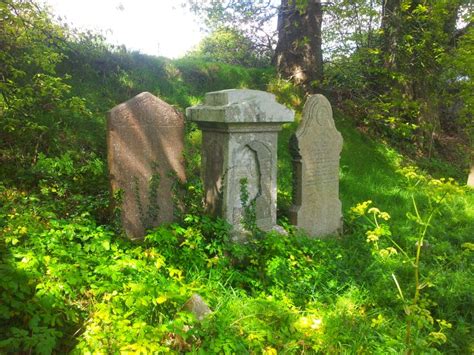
{"points": [[145, 141]]}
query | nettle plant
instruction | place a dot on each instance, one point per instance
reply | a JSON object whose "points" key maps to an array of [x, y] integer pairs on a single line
{"points": [[422, 330]]}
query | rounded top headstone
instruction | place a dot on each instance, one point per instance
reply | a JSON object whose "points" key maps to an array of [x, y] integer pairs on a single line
{"points": [[143, 108]]}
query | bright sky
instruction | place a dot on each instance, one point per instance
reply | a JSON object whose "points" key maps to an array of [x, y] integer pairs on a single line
{"points": [[157, 27]]}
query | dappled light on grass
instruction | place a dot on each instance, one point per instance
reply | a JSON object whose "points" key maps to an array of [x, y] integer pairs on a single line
{"points": [[276, 293], [71, 283]]}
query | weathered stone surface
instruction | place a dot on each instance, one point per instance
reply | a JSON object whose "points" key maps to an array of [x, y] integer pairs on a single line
{"points": [[470, 179], [316, 149], [145, 148], [239, 141], [239, 106], [197, 306]]}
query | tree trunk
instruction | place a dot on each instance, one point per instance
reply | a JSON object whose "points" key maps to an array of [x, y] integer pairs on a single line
{"points": [[390, 25], [298, 55]]}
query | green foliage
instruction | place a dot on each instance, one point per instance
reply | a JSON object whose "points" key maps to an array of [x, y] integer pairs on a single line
{"points": [[459, 70], [247, 21], [349, 25], [71, 284], [397, 253], [422, 332], [226, 45], [287, 93], [204, 76], [95, 291], [249, 207], [149, 213], [39, 111], [401, 68], [403, 80]]}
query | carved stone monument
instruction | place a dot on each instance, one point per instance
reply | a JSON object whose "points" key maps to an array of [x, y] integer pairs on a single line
{"points": [[145, 141], [470, 179], [239, 141], [316, 148]]}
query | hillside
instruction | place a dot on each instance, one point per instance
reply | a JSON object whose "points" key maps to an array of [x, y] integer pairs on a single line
{"points": [[399, 278]]}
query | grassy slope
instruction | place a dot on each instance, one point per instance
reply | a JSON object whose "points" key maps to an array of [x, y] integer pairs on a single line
{"points": [[261, 300], [371, 170], [353, 288]]}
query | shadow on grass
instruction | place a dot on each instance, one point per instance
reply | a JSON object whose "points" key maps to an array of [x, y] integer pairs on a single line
{"points": [[368, 171], [31, 319]]}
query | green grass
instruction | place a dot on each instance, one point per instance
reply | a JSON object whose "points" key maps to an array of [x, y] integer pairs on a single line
{"points": [[372, 170], [70, 282], [368, 170]]}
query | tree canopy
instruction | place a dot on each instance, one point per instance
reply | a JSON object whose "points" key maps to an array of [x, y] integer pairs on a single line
{"points": [[407, 61]]}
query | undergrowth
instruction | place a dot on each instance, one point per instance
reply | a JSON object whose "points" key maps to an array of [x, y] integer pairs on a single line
{"points": [[70, 282]]}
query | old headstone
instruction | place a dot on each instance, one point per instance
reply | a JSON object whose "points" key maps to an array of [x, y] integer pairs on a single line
{"points": [[316, 148], [145, 149], [470, 179], [239, 141], [197, 306]]}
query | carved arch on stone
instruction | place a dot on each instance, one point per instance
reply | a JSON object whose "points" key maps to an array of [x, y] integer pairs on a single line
{"points": [[316, 109], [254, 161], [263, 198]]}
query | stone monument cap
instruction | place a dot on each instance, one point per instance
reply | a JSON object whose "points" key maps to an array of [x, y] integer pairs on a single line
{"points": [[240, 106]]}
